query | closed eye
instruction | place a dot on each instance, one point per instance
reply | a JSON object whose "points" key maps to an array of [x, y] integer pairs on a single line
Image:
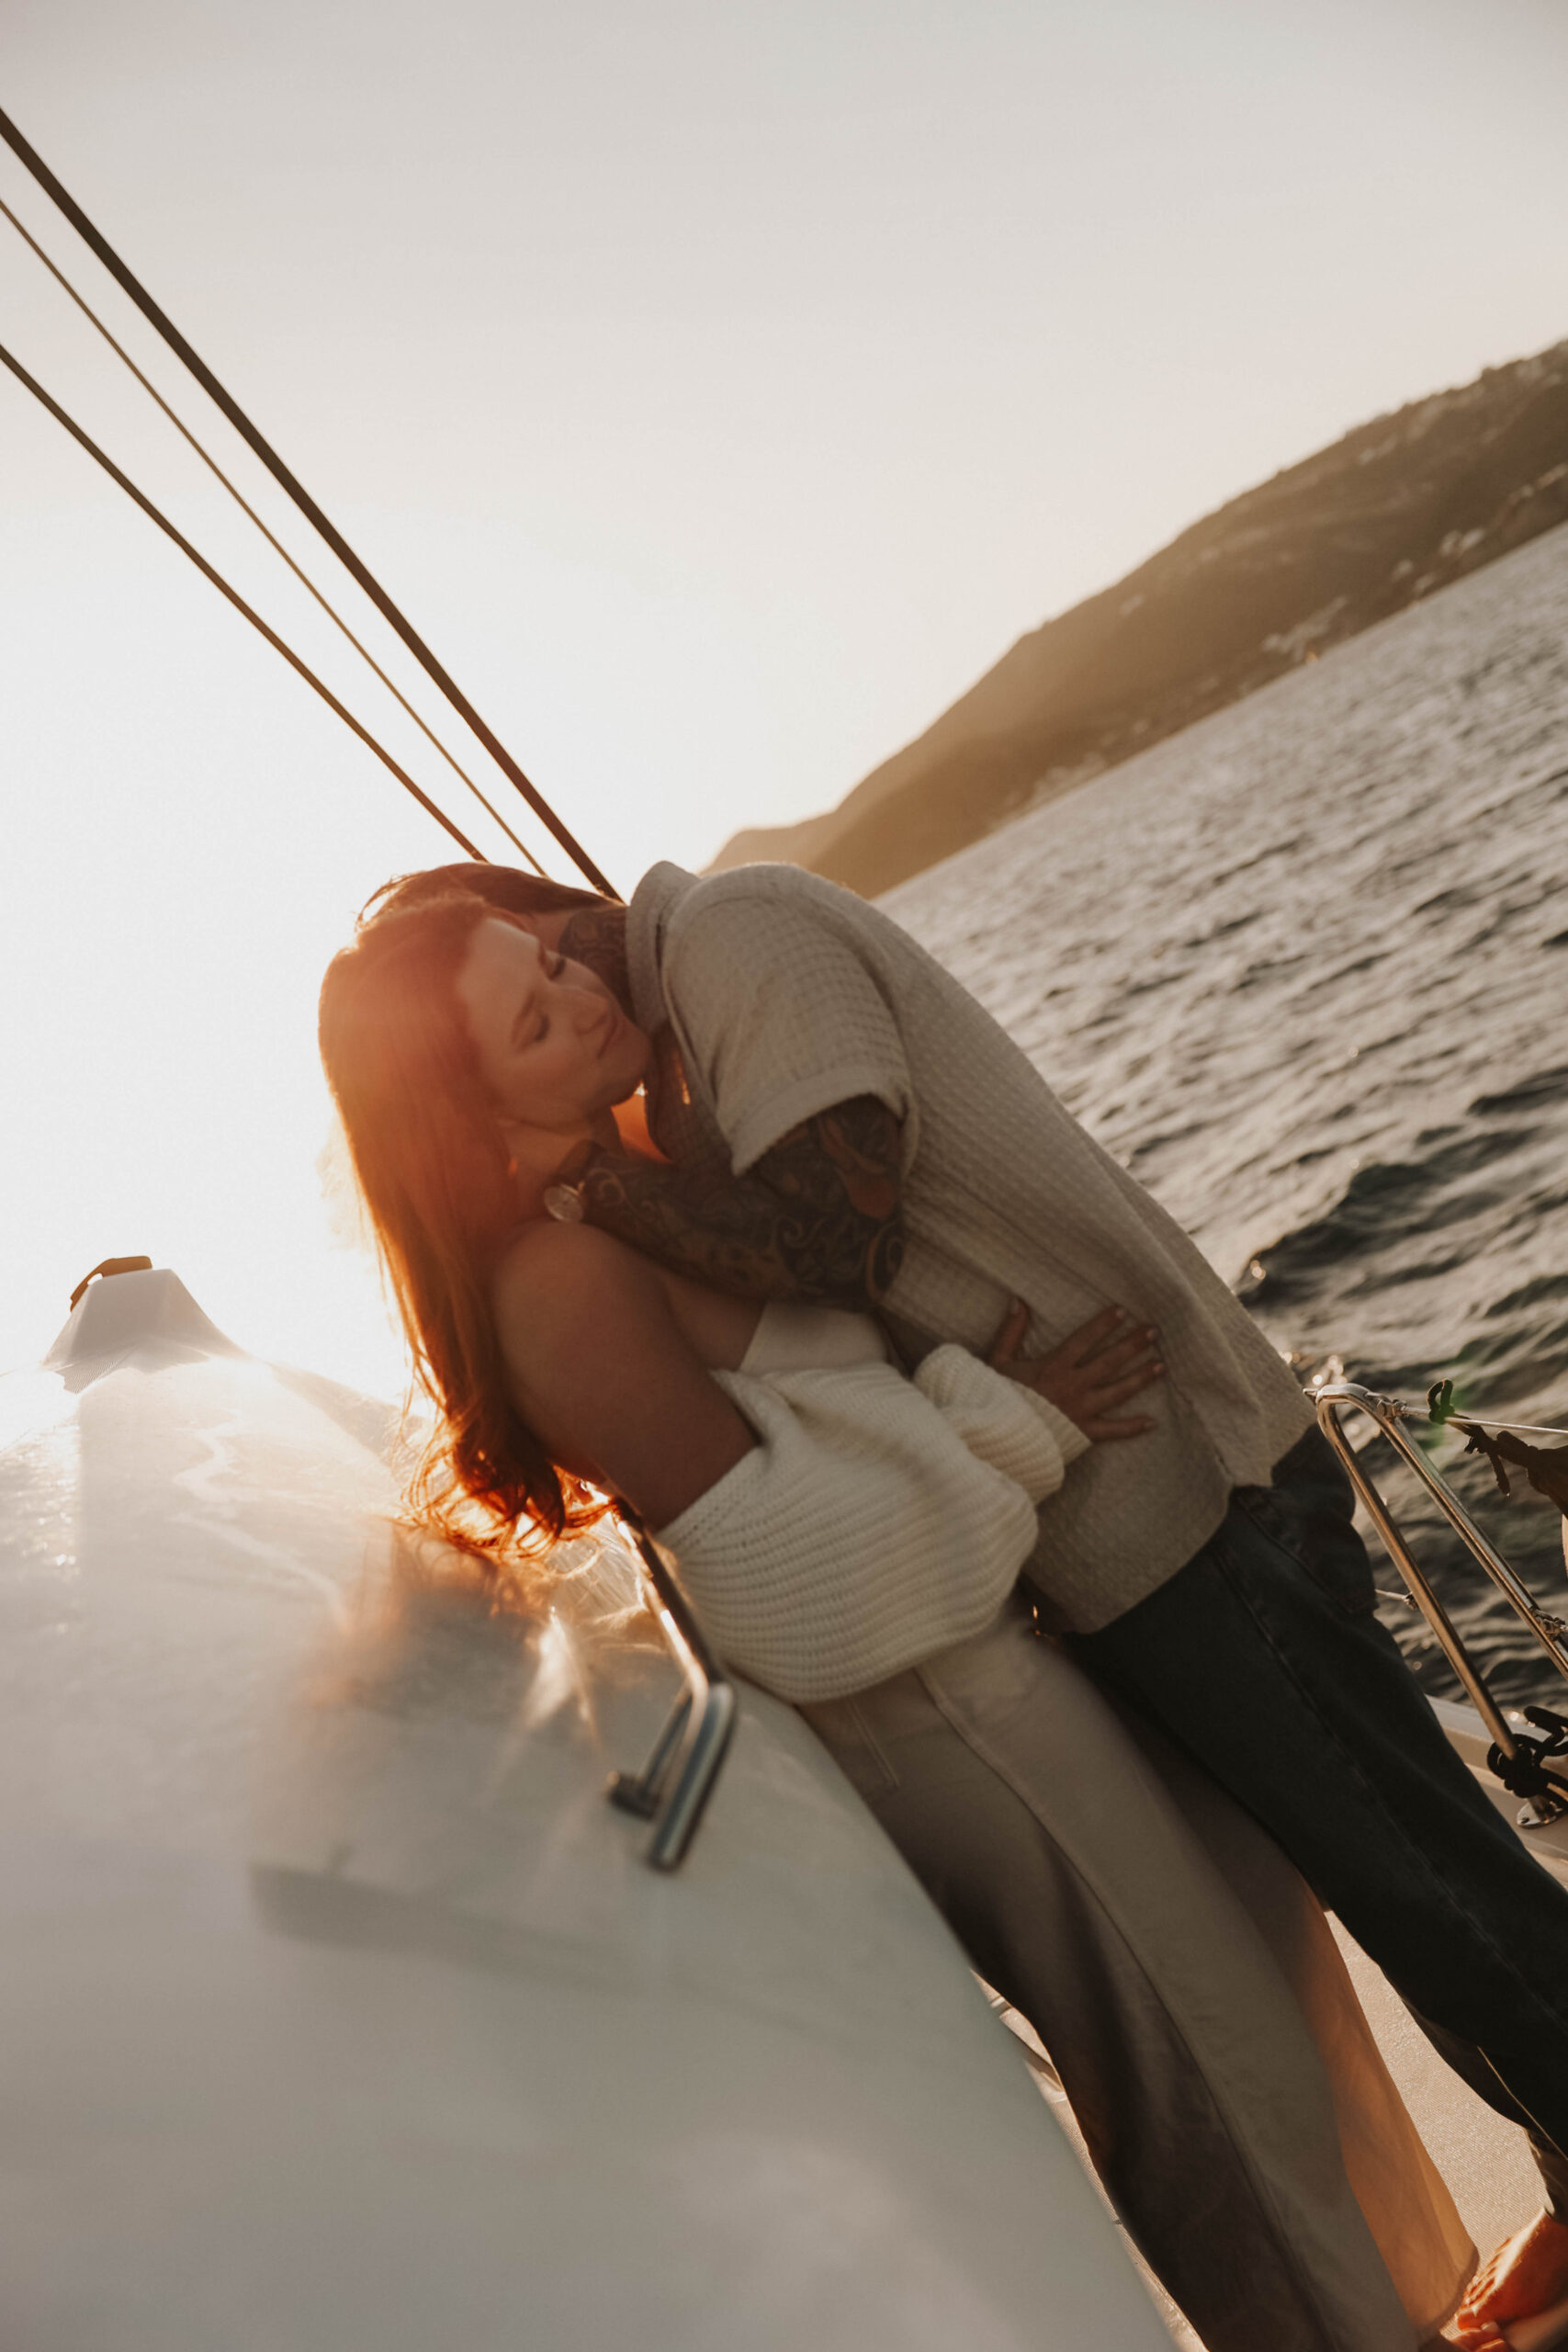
{"points": [[532, 1023], [552, 966]]}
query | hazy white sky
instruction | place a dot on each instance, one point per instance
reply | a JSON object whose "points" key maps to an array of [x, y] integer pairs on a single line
{"points": [[722, 388]]}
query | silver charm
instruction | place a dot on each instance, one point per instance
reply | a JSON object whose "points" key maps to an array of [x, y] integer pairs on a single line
{"points": [[564, 1203]]}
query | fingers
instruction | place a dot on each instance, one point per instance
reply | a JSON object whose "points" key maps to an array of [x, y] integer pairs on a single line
{"points": [[1104, 1394], [1105, 1334], [1098, 1420], [1090, 1337], [1010, 1338], [1101, 1431], [1120, 1355], [1112, 1330]]}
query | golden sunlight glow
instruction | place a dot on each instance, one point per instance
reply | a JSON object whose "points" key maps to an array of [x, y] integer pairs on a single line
{"points": [[721, 395]]}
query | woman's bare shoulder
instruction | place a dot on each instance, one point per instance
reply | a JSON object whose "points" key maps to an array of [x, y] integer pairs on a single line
{"points": [[560, 1277], [601, 1372], [550, 1273], [543, 1250]]}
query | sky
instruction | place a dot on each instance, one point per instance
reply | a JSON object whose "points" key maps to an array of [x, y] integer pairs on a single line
{"points": [[720, 388]]}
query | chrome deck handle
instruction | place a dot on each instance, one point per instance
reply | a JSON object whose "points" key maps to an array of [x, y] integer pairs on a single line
{"points": [[689, 1753]]}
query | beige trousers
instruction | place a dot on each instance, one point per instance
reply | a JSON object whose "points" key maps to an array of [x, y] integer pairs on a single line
{"points": [[1186, 1985]]}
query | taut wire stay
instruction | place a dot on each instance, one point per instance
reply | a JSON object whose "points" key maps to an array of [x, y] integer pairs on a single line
{"points": [[165, 326], [210, 462], [161, 520]]}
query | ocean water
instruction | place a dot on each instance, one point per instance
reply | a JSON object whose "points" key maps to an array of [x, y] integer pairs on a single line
{"points": [[1304, 969]]}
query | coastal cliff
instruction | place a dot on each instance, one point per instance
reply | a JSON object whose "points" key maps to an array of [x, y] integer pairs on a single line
{"points": [[1396, 510]]}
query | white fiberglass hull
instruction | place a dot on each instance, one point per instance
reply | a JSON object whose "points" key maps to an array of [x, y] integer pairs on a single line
{"points": [[339, 2009]]}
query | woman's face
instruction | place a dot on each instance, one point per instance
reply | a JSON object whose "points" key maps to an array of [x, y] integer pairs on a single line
{"points": [[555, 1047]]}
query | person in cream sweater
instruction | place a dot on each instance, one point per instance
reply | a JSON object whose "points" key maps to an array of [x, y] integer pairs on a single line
{"points": [[837, 1122]]}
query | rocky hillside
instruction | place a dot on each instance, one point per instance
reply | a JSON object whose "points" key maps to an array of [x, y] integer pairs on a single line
{"points": [[1393, 511]]}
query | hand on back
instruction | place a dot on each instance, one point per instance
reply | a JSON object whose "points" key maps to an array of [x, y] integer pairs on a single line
{"points": [[1101, 1365]]}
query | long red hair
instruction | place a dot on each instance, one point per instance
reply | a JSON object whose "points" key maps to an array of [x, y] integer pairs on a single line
{"points": [[436, 1181]]}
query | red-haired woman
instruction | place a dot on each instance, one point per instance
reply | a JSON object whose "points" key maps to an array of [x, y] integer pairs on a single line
{"points": [[852, 1539]]}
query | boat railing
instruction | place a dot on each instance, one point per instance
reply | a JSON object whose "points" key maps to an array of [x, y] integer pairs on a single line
{"points": [[1516, 1757], [674, 1787]]}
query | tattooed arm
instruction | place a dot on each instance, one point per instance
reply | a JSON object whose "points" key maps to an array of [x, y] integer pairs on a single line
{"points": [[817, 1217]]}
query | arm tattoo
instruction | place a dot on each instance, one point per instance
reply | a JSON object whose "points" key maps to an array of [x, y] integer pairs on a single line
{"points": [[597, 936], [818, 1217]]}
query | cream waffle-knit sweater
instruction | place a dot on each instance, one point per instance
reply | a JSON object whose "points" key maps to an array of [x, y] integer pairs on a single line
{"points": [[876, 1522]]}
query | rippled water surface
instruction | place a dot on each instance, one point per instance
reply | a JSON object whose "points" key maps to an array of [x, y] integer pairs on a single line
{"points": [[1304, 968]]}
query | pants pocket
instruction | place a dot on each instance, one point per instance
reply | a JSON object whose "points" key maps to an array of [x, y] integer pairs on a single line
{"points": [[1306, 1513]]}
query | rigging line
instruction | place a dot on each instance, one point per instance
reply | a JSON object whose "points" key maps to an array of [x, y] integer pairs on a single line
{"points": [[1404, 1412], [1479, 1420], [301, 497], [246, 508], [107, 463]]}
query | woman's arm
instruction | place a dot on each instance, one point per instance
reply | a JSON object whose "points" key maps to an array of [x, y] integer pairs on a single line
{"points": [[603, 1376], [863, 1532]]}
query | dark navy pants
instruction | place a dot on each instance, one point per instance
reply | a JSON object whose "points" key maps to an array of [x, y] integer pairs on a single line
{"points": [[1264, 1657]]}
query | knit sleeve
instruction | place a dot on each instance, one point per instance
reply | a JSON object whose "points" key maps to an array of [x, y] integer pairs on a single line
{"points": [[1010, 1426], [859, 1536]]}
